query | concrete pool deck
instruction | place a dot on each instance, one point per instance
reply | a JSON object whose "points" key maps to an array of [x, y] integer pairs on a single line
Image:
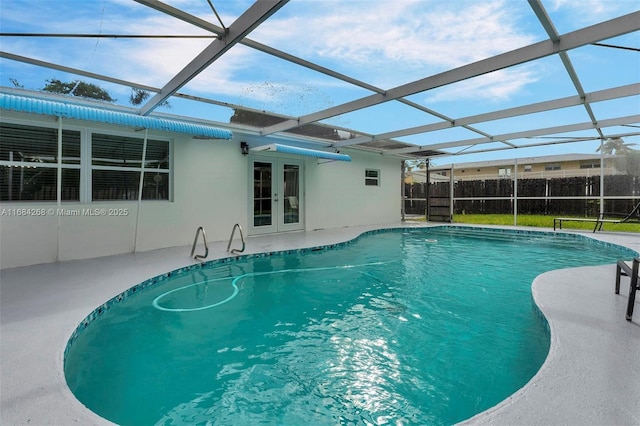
{"points": [[589, 378]]}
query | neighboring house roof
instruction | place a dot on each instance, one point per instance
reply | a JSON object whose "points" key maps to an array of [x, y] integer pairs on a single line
{"points": [[68, 109], [526, 160]]}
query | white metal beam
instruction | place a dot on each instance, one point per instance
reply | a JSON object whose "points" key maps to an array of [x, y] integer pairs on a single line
{"points": [[76, 71], [194, 20], [523, 134], [555, 142], [126, 83], [249, 20], [182, 15], [602, 31], [601, 95], [545, 20]]}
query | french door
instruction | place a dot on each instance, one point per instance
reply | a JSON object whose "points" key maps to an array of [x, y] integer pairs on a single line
{"points": [[277, 195]]}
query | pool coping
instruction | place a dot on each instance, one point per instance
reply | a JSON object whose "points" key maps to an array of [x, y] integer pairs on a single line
{"points": [[25, 398]]}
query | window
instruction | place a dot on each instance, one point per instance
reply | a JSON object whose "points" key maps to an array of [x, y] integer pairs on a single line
{"points": [[552, 166], [29, 163], [372, 177], [593, 164], [116, 163], [504, 172], [528, 168]]}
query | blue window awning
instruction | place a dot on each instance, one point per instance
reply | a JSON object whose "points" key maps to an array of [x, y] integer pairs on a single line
{"points": [[287, 149], [101, 115]]}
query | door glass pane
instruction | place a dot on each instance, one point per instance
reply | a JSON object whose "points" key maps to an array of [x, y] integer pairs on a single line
{"points": [[291, 193], [262, 211]]}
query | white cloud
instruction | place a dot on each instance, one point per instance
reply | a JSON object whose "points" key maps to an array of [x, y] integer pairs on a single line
{"points": [[589, 7], [497, 86], [384, 43], [392, 43], [413, 33], [586, 12]]}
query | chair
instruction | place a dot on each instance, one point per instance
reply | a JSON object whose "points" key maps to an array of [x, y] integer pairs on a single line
{"points": [[624, 269], [633, 216], [293, 202]]}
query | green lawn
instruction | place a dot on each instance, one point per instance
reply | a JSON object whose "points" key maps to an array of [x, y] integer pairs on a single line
{"points": [[539, 221]]}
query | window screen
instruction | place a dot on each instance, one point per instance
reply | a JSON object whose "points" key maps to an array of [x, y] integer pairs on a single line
{"points": [[117, 163], [28, 163]]}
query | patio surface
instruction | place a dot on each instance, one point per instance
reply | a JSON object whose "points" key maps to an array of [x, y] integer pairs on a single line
{"points": [[589, 378]]}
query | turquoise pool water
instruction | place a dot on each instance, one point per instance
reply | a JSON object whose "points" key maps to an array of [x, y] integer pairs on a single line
{"points": [[421, 326]]}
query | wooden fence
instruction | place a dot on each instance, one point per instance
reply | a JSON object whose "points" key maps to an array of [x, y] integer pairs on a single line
{"points": [[534, 196]]}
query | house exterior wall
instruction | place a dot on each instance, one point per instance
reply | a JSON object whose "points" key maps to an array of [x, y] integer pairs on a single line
{"points": [[210, 189], [337, 195]]}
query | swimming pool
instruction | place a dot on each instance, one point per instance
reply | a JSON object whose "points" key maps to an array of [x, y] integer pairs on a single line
{"points": [[397, 326]]}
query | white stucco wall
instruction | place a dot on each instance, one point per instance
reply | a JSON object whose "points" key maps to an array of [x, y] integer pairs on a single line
{"points": [[337, 195], [210, 189]]}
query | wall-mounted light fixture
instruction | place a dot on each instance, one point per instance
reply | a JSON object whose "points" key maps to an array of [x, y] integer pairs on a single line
{"points": [[244, 148]]}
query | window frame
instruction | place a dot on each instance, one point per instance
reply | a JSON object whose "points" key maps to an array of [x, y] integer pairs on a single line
{"points": [[52, 165], [550, 167], [590, 164], [85, 165], [504, 172], [372, 180], [140, 169]]}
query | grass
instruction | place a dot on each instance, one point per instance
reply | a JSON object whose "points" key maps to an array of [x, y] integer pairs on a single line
{"points": [[540, 221]]}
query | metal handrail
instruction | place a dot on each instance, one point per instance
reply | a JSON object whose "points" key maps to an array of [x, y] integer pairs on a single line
{"points": [[195, 242], [233, 231]]}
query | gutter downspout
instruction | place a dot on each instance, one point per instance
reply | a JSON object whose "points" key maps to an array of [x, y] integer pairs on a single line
{"points": [[59, 190], [144, 157]]}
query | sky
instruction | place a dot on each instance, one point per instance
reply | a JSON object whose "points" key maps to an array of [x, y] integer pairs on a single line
{"points": [[385, 44]]}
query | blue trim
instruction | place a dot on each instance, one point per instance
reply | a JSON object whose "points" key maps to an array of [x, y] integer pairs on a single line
{"points": [[81, 112], [287, 149]]}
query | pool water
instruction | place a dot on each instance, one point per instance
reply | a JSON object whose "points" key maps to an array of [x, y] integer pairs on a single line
{"points": [[425, 326]]}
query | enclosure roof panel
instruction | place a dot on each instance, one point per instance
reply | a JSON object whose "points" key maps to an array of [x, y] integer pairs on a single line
{"points": [[414, 78]]}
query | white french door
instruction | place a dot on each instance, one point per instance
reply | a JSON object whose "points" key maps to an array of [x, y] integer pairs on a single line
{"points": [[277, 195]]}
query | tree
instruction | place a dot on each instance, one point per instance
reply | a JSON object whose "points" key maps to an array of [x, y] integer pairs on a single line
{"points": [[631, 162], [412, 165], [78, 88], [83, 89], [138, 96], [615, 146]]}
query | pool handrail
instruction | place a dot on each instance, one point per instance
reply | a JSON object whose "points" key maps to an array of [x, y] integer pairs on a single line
{"points": [[233, 231], [195, 242]]}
